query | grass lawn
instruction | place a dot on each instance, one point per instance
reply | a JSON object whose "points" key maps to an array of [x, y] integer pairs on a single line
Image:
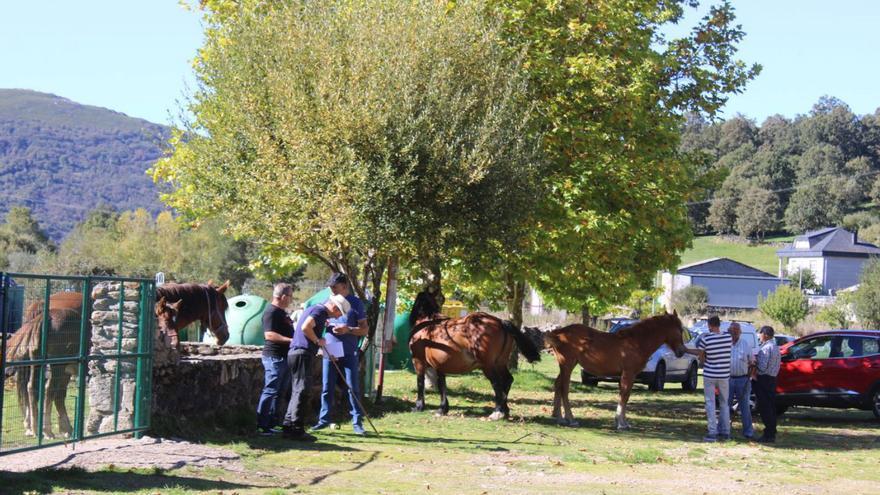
{"points": [[762, 256], [818, 451]]}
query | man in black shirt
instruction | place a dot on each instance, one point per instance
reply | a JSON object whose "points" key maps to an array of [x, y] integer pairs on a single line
{"points": [[277, 330]]}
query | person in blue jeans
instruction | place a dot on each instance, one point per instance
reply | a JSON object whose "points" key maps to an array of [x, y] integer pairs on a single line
{"points": [[348, 330], [740, 382], [277, 331]]}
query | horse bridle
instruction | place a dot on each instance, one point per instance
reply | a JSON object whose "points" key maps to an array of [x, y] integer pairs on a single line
{"points": [[210, 314]]}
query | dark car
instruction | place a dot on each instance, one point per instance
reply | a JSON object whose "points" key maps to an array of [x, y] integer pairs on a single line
{"points": [[840, 369], [661, 367]]}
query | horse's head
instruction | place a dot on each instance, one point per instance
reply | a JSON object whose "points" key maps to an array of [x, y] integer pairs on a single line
{"points": [[425, 307], [673, 331], [217, 312], [166, 317]]}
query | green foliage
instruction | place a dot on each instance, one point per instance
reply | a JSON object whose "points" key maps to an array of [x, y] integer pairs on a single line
{"points": [[63, 159], [866, 299], [860, 220], [692, 300], [21, 238], [871, 234], [611, 93], [349, 131], [805, 280], [787, 305], [840, 314], [756, 213]]}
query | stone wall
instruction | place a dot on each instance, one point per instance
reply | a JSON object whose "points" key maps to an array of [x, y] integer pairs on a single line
{"points": [[205, 386], [105, 341]]}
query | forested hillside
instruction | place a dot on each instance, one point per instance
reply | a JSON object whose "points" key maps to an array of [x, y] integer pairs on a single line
{"points": [[62, 159], [815, 170]]}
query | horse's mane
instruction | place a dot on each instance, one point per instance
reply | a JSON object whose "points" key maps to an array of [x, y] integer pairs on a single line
{"points": [[424, 305], [643, 326], [187, 292]]}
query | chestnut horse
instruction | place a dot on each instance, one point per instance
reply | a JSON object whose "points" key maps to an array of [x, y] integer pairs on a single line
{"points": [[622, 354], [460, 345], [179, 305]]}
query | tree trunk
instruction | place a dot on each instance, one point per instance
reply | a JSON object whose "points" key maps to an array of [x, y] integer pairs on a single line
{"points": [[433, 274], [516, 294], [585, 315]]}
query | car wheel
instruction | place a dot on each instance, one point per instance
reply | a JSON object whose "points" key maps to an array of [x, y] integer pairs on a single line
{"points": [[690, 381], [875, 402], [659, 380]]}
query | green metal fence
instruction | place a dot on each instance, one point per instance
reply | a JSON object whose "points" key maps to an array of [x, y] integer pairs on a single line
{"points": [[81, 369]]}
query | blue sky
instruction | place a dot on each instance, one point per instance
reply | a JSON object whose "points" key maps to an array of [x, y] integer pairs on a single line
{"points": [[134, 56]]}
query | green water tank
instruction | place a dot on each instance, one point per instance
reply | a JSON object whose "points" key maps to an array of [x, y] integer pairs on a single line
{"points": [[400, 358], [245, 320]]}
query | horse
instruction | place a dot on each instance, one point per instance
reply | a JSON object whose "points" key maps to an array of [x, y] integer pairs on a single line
{"points": [[62, 340], [623, 354], [457, 346], [178, 305]]}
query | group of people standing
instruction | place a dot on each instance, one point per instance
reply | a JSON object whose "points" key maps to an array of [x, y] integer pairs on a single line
{"points": [[731, 367], [290, 347]]}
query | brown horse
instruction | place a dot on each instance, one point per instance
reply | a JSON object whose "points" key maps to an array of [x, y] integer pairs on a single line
{"points": [[460, 345], [179, 305], [62, 340], [623, 354]]}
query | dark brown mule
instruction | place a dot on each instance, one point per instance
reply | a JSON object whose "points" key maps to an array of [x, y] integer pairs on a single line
{"points": [[62, 340], [622, 354], [181, 304], [460, 345]]}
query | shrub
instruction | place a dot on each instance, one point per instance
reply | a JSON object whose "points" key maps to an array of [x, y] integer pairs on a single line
{"points": [[692, 300], [787, 305], [840, 314], [805, 280], [866, 300]]}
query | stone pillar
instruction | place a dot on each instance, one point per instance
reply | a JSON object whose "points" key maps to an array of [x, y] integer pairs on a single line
{"points": [[106, 341]]}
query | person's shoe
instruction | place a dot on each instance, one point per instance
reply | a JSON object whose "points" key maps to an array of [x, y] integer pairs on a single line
{"points": [[299, 436], [359, 430], [750, 438], [319, 426], [710, 438], [265, 432], [723, 438], [764, 439]]}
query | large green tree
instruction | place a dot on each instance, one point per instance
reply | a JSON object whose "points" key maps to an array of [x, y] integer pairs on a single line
{"points": [[611, 92], [351, 130], [20, 235]]}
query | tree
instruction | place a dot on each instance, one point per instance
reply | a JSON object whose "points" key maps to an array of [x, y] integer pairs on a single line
{"points": [[691, 300], [805, 280], [21, 234], [722, 212], [866, 299], [875, 191], [349, 131], [611, 93], [787, 305], [840, 313], [757, 213]]}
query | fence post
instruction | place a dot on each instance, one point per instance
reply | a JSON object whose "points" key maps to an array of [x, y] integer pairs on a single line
{"points": [[3, 333], [84, 352], [44, 332]]}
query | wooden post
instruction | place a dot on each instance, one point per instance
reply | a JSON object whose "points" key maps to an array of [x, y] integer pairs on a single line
{"points": [[387, 322]]}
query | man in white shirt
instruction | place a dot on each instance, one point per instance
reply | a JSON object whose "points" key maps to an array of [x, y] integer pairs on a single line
{"points": [[740, 384]]}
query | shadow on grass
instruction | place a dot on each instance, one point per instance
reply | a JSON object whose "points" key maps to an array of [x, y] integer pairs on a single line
{"points": [[67, 480]]}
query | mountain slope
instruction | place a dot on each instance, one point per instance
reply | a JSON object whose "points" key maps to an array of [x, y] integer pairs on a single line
{"points": [[63, 159]]}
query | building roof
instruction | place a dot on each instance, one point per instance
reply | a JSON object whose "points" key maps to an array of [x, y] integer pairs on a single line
{"points": [[832, 241], [724, 267]]}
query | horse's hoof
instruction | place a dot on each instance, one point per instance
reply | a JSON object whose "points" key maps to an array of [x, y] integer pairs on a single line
{"points": [[561, 421], [440, 413], [495, 416], [418, 409], [572, 423]]}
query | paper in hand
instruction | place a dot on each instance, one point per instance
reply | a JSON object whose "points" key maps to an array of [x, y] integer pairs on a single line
{"points": [[335, 349]]}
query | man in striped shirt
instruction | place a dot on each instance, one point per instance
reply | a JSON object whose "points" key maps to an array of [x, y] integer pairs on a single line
{"points": [[713, 347]]}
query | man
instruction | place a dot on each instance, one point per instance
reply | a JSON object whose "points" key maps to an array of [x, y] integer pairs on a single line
{"points": [[740, 383], [277, 331], [767, 364], [348, 331], [713, 348], [305, 343]]}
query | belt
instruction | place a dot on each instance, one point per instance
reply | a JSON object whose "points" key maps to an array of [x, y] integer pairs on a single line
{"points": [[739, 376]]}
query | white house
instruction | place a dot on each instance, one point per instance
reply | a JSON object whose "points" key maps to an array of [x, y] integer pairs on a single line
{"points": [[834, 255]]}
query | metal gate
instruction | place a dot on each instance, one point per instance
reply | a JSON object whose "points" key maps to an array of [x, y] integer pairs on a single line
{"points": [[81, 369]]}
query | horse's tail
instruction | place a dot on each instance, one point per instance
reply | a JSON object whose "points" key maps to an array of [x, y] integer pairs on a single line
{"points": [[526, 346], [26, 339]]}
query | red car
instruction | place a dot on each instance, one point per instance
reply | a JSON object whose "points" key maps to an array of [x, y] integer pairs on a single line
{"points": [[840, 368]]}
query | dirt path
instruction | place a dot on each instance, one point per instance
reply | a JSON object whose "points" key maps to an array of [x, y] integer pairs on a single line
{"points": [[125, 453]]}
